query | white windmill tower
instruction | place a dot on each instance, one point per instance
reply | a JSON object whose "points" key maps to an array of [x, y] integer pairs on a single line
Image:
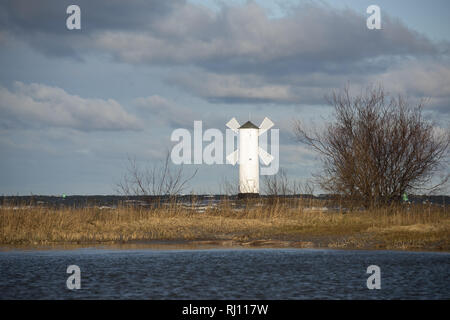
{"points": [[248, 154]]}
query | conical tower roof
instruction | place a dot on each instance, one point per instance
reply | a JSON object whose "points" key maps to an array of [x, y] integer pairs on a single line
{"points": [[248, 125]]}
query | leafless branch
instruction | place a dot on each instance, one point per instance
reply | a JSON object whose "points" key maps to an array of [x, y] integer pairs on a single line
{"points": [[377, 147], [162, 179]]}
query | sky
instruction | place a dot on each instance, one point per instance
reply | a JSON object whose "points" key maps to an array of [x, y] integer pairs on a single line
{"points": [[76, 104]]}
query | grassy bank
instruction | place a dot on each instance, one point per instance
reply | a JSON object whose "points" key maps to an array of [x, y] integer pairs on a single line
{"points": [[413, 228]]}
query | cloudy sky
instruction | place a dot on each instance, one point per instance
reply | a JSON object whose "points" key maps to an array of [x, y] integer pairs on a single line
{"points": [[74, 104]]}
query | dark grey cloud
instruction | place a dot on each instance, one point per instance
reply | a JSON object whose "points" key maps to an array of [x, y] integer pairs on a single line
{"points": [[243, 39], [42, 24], [238, 54], [49, 16], [310, 38]]}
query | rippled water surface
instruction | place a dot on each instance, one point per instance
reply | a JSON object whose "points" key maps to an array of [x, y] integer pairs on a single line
{"points": [[223, 274]]}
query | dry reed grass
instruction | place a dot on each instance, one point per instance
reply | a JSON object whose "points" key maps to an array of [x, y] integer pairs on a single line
{"points": [[396, 227]]}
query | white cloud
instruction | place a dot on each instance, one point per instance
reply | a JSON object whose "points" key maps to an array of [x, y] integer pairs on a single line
{"points": [[166, 111], [154, 102], [428, 78], [418, 80], [41, 105], [233, 86]]}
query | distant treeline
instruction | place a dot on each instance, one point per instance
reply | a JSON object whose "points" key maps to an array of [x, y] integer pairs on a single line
{"points": [[114, 200]]}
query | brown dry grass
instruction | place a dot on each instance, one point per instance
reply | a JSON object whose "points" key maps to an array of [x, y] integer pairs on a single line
{"points": [[416, 227]]}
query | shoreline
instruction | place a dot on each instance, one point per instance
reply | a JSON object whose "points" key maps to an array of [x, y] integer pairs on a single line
{"points": [[168, 245]]}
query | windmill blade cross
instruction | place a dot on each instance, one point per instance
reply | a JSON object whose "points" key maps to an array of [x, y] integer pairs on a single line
{"points": [[265, 157], [233, 157], [233, 124], [265, 125]]}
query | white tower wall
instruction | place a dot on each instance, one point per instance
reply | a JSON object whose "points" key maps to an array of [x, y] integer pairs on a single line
{"points": [[248, 160]]}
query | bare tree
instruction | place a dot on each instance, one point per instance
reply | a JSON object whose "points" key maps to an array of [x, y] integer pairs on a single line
{"points": [[228, 188], [159, 180], [305, 187], [277, 184], [377, 147], [280, 185]]}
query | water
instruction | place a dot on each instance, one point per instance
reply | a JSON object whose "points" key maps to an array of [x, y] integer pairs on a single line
{"points": [[223, 274]]}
